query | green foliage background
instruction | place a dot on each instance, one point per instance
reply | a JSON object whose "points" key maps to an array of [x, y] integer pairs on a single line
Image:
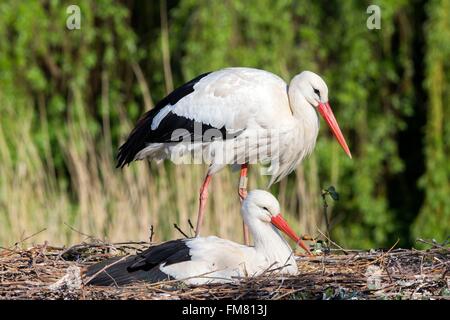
{"points": [[389, 89]]}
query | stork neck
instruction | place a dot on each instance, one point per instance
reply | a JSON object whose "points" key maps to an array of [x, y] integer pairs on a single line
{"points": [[306, 118], [269, 242], [301, 109]]}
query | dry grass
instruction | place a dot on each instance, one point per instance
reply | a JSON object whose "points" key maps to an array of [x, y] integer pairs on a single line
{"points": [[402, 274]]}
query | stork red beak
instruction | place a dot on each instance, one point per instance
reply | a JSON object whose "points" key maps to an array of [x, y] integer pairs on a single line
{"points": [[327, 114], [279, 222]]}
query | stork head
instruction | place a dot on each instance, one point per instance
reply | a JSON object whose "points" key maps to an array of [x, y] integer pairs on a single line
{"points": [[315, 91], [262, 205]]}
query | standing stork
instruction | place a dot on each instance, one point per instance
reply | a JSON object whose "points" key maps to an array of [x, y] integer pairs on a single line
{"points": [[235, 116], [202, 260]]}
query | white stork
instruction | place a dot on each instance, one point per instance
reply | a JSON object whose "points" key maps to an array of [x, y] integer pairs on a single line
{"points": [[202, 260], [253, 115]]}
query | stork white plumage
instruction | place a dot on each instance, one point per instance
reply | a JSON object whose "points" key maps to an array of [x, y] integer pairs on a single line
{"points": [[211, 259], [254, 117]]}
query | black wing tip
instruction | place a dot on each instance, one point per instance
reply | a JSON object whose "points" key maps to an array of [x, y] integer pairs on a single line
{"points": [[136, 140], [125, 270], [120, 165], [122, 159], [141, 134]]}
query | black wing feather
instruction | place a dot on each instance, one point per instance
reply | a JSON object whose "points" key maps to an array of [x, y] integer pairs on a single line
{"points": [[141, 267], [141, 134]]}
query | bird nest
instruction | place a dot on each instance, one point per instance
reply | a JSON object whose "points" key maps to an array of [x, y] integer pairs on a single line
{"points": [[47, 272]]}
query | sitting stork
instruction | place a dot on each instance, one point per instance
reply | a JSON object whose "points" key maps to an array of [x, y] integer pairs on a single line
{"points": [[236, 116], [202, 260]]}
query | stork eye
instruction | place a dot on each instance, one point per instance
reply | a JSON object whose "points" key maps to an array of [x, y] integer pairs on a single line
{"points": [[265, 208], [317, 92]]}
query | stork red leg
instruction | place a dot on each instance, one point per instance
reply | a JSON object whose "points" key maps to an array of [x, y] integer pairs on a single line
{"points": [[242, 195], [243, 182], [202, 203]]}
